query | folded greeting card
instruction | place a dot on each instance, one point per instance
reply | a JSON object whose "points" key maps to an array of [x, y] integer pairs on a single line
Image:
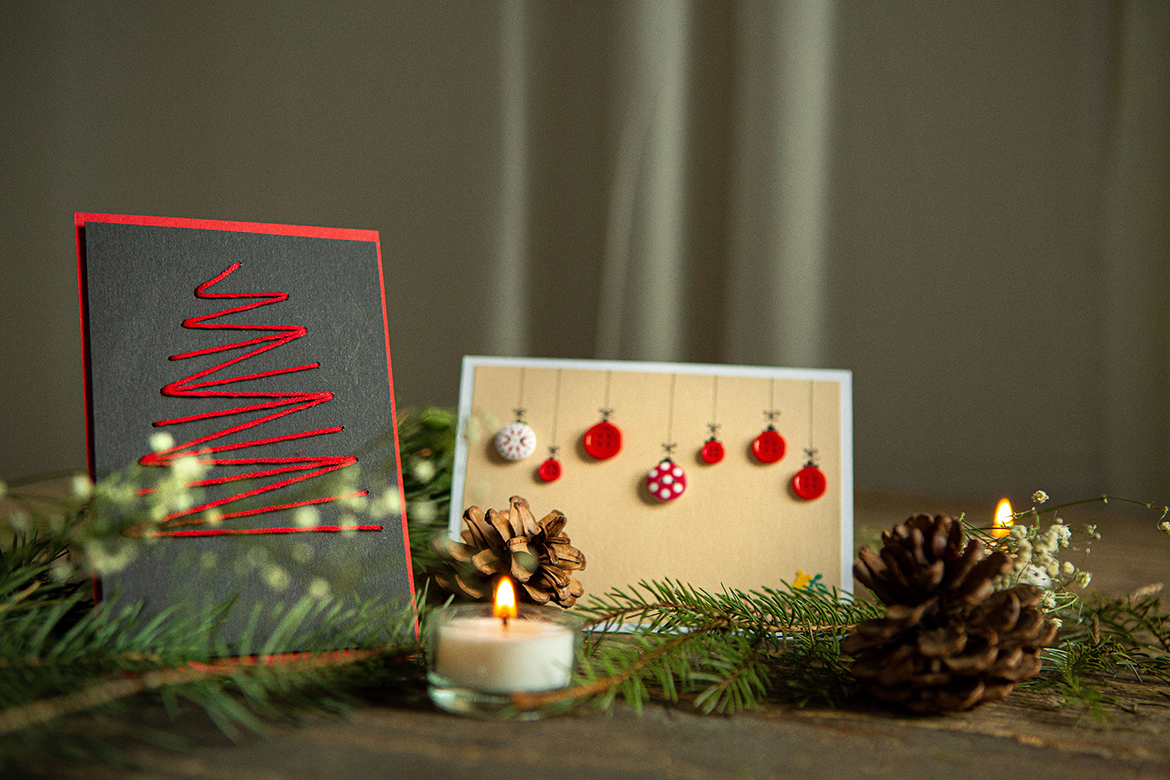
{"points": [[251, 363], [713, 475]]}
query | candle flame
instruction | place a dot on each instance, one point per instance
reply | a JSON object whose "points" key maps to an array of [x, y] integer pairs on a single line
{"points": [[505, 599], [1003, 519]]}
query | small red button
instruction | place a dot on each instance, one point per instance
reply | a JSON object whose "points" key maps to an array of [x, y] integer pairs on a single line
{"points": [[809, 483], [603, 440], [666, 481], [712, 451], [550, 470], [768, 446]]}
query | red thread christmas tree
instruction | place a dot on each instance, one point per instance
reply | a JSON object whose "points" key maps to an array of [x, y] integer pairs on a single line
{"points": [[270, 406]]}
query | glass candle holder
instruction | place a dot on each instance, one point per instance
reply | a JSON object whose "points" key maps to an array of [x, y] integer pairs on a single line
{"points": [[476, 661]]}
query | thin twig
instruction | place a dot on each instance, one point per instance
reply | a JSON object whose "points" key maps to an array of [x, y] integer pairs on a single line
{"points": [[1103, 499], [44, 710]]}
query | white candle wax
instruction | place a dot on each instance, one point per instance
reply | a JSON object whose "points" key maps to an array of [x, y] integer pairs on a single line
{"points": [[483, 654]]}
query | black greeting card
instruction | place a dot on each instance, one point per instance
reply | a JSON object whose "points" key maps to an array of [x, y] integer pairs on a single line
{"points": [[262, 352]]}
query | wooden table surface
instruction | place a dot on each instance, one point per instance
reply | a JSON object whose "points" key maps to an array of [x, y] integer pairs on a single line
{"points": [[1030, 735]]}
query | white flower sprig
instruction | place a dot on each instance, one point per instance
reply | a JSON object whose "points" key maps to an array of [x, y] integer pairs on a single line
{"points": [[1040, 550]]}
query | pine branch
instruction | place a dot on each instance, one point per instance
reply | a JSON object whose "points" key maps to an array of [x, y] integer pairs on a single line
{"points": [[93, 696], [528, 701], [728, 649]]}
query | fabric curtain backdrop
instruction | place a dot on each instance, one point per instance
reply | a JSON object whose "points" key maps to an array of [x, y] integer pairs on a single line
{"points": [[966, 204], [726, 241]]}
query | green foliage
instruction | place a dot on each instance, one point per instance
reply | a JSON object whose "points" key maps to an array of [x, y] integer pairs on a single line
{"points": [[1103, 639], [60, 656], [426, 438], [722, 652], [72, 674]]}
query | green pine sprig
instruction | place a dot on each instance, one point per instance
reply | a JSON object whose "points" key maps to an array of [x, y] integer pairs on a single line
{"points": [[66, 664], [725, 651]]}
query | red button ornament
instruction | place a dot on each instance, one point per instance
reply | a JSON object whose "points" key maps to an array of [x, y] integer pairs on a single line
{"points": [[712, 451], [603, 440], [666, 481], [550, 470], [809, 483], [768, 447]]}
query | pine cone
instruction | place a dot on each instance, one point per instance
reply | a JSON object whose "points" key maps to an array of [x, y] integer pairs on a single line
{"points": [[948, 642], [538, 555]]}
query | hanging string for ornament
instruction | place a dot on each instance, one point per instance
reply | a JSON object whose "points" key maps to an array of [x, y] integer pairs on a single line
{"points": [[810, 483], [667, 480], [516, 440], [712, 449], [603, 440], [769, 446], [550, 470]]}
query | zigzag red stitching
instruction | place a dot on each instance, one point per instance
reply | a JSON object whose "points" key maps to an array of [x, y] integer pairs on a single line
{"points": [[190, 387]]}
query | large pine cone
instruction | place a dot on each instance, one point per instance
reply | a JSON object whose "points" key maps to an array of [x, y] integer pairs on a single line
{"points": [[538, 555], [948, 642]]}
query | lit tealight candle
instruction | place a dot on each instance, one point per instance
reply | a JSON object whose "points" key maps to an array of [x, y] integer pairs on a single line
{"points": [[476, 654], [1003, 519]]}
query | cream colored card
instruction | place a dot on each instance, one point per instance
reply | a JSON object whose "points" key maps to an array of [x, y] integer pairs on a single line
{"points": [[739, 522]]}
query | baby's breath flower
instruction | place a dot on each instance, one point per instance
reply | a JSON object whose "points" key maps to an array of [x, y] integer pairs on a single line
{"points": [[1067, 567], [1064, 534], [105, 561], [1048, 600], [117, 493], [1164, 526], [257, 555], [1036, 576], [82, 487], [188, 469], [161, 441], [1084, 578], [182, 500], [1039, 496], [306, 516], [1018, 532], [354, 503], [422, 511], [276, 577], [387, 504], [318, 589], [18, 521], [424, 470], [61, 570]]}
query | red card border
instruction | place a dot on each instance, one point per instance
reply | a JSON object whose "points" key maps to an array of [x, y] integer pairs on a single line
{"points": [[346, 234]]}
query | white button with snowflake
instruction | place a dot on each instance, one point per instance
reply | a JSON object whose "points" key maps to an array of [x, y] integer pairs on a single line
{"points": [[516, 441], [666, 481]]}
